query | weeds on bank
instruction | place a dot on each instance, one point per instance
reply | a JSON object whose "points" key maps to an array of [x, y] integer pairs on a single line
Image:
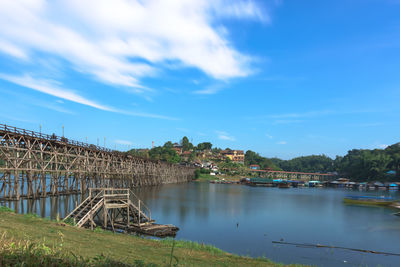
{"points": [[5, 209], [25, 253], [191, 245]]}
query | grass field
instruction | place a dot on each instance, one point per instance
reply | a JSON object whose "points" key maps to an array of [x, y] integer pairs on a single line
{"points": [[28, 239]]}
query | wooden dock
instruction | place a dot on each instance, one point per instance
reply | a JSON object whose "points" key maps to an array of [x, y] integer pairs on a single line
{"points": [[118, 210]]}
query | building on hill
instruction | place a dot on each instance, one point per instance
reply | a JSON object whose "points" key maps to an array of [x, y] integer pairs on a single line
{"points": [[234, 155], [254, 167], [185, 155], [205, 154], [178, 148]]}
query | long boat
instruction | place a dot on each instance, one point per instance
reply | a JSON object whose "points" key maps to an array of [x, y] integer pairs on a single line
{"points": [[284, 185], [369, 200]]}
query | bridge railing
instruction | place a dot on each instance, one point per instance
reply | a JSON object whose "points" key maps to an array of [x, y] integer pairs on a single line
{"points": [[53, 137]]}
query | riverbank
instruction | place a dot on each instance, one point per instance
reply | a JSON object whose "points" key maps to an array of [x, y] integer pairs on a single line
{"points": [[58, 242], [207, 177]]}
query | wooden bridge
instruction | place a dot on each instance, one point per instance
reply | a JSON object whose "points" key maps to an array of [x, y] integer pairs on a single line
{"points": [[34, 165]]}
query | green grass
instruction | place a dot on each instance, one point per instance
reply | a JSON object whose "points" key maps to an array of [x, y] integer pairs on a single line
{"points": [[24, 253], [206, 177], [36, 241]]}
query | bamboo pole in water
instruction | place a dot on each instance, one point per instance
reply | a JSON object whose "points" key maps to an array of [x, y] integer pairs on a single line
{"points": [[336, 247]]}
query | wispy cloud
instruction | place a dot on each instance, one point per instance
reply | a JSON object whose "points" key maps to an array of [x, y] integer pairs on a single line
{"points": [[12, 50], [307, 114], [317, 113], [225, 136], [55, 89], [298, 117], [119, 42], [241, 9], [282, 143], [52, 88], [269, 136], [20, 119], [366, 124], [383, 146], [123, 142], [53, 106], [287, 121], [210, 90]]}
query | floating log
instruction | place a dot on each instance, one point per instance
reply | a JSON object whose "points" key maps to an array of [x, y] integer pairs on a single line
{"points": [[336, 247]]}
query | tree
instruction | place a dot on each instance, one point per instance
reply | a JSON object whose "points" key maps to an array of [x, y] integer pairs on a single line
{"points": [[186, 145], [313, 163], [164, 154], [168, 144], [204, 146], [366, 165], [252, 157], [192, 157]]}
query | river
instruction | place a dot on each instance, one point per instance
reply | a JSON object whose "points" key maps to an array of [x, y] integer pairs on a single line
{"points": [[245, 220]]}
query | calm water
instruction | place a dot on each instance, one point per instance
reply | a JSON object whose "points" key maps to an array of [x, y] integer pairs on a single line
{"points": [[210, 213], [245, 220]]}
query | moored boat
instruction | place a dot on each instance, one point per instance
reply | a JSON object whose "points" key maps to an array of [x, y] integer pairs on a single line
{"points": [[369, 200], [393, 186], [284, 184]]}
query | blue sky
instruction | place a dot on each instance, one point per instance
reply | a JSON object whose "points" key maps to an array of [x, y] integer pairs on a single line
{"points": [[283, 78]]}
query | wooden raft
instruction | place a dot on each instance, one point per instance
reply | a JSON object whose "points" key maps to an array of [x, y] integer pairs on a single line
{"points": [[118, 210]]}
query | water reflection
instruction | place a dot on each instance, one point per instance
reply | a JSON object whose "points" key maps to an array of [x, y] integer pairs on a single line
{"points": [[46, 207]]}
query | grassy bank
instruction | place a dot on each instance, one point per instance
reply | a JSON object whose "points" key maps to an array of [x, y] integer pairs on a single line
{"points": [[32, 240], [208, 177]]}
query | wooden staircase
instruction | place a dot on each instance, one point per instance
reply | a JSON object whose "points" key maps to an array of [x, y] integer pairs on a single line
{"points": [[117, 205], [82, 213]]}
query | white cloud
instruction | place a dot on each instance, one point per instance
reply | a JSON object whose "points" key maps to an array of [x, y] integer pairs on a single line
{"points": [[225, 136], [118, 42], [123, 142], [210, 90], [54, 89], [268, 136], [317, 113], [383, 146], [282, 143], [287, 121], [12, 50], [240, 9]]}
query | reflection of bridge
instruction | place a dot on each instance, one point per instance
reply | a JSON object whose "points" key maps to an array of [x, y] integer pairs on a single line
{"points": [[302, 176], [36, 165]]}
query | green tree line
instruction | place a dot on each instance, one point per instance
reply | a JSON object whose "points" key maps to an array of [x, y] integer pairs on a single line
{"points": [[357, 164]]}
